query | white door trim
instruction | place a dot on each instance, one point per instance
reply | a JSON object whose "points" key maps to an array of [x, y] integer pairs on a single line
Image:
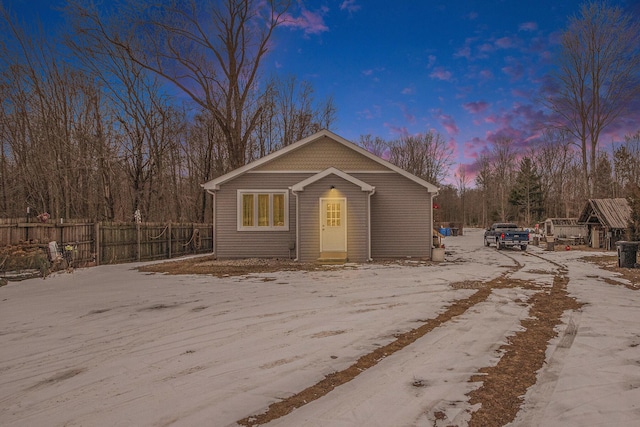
{"points": [[341, 241]]}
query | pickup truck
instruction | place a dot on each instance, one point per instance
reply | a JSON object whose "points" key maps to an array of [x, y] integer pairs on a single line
{"points": [[506, 235]]}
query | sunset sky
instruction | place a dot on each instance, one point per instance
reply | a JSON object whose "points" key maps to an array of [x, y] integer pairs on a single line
{"points": [[470, 70]]}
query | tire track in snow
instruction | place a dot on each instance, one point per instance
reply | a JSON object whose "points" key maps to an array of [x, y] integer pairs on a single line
{"points": [[504, 385], [333, 380]]}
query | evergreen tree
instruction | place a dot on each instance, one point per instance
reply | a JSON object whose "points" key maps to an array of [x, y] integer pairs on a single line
{"points": [[603, 177], [526, 194], [634, 204]]}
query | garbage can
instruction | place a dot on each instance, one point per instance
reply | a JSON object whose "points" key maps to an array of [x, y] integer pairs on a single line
{"points": [[627, 253], [551, 243]]}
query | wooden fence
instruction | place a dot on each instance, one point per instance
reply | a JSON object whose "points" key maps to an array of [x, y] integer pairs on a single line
{"points": [[112, 243]]}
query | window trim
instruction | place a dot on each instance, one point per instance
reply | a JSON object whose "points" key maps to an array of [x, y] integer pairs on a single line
{"points": [[255, 193]]}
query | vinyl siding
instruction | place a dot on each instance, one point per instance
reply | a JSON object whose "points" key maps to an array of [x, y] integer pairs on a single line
{"points": [[322, 154], [400, 217], [357, 205], [231, 243]]}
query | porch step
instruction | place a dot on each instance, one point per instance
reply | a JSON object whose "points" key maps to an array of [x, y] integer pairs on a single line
{"points": [[332, 258]]}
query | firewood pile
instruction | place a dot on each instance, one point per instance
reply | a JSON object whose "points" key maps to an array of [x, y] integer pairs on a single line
{"points": [[24, 260]]}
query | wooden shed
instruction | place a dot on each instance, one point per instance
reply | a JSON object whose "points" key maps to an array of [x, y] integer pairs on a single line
{"points": [[607, 221]]}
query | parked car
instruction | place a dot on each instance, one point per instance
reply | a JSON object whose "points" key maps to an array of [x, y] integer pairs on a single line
{"points": [[505, 235]]}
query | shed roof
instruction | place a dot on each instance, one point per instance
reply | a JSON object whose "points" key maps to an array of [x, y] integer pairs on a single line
{"points": [[612, 213]]}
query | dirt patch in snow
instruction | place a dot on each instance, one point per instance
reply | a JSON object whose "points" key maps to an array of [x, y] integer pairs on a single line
{"points": [[240, 267], [610, 263], [503, 385], [211, 266], [333, 380]]}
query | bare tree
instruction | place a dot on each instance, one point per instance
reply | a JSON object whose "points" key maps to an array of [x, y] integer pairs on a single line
{"points": [[289, 113], [374, 145], [503, 163], [48, 113], [212, 51], [597, 76], [427, 156], [553, 157], [462, 182], [484, 182]]}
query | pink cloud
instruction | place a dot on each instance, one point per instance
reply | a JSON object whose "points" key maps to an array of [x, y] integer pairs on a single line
{"points": [[492, 119], [432, 60], [408, 91], [476, 107], [399, 131], [515, 69], [486, 74], [453, 146], [449, 124], [408, 115], [528, 26], [486, 48], [350, 6], [504, 42], [522, 93], [464, 52], [440, 74], [308, 21]]}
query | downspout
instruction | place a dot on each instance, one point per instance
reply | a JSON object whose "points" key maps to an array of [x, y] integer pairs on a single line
{"points": [[297, 225], [214, 241], [431, 231], [371, 193]]}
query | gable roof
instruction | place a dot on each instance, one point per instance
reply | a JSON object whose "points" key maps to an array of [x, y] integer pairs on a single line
{"points": [[214, 184], [333, 171], [612, 213]]}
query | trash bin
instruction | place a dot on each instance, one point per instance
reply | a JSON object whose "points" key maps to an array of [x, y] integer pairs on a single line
{"points": [[627, 254], [551, 243]]}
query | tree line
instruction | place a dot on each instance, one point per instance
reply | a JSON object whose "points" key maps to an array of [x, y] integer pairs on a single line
{"points": [[142, 102], [88, 128], [546, 181]]}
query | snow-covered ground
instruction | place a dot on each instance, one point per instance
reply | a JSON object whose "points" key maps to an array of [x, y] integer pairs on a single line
{"points": [[111, 346]]}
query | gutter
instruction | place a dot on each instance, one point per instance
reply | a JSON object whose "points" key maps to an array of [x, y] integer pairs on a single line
{"points": [[297, 224], [371, 193], [213, 220]]}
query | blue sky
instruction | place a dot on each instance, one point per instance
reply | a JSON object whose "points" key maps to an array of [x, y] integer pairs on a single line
{"points": [[470, 70]]}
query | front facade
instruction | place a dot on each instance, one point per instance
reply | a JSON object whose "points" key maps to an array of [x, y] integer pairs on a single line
{"points": [[321, 198]]}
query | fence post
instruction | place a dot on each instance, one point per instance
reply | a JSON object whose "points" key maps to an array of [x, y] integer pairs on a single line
{"points": [[138, 237], [96, 239], [169, 237]]}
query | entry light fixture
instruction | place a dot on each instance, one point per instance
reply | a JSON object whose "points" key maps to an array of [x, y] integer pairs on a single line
{"points": [[333, 187]]}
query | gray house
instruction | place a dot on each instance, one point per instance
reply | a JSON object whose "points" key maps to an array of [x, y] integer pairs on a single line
{"points": [[322, 198]]}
